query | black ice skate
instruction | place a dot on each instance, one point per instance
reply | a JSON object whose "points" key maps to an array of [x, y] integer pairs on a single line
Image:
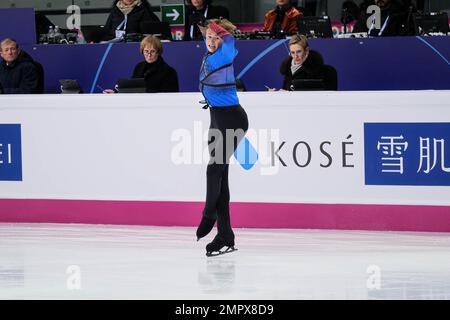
{"points": [[215, 248], [205, 227]]}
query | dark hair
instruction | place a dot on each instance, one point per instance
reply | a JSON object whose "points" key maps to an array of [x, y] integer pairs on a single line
{"points": [[353, 11]]}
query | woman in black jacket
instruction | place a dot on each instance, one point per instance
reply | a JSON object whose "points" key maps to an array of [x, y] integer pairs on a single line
{"points": [[158, 75], [126, 17], [198, 11], [302, 63]]}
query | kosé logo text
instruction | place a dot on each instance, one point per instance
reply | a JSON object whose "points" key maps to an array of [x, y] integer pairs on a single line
{"points": [[263, 146]]}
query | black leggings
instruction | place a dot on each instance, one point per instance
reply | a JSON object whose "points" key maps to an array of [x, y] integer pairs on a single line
{"points": [[222, 143]]}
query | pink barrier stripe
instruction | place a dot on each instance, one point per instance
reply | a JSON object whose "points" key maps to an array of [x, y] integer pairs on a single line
{"points": [[251, 215]]}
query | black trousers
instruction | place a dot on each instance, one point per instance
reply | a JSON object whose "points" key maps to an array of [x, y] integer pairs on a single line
{"points": [[228, 127]]}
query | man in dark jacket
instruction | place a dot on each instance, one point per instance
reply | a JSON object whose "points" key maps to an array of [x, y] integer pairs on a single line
{"points": [[198, 11], [126, 17], [18, 74]]}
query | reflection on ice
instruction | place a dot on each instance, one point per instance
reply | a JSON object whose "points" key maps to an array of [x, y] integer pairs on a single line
{"points": [[57, 261]]}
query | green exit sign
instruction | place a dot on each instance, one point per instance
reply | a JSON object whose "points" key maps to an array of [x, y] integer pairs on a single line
{"points": [[173, 14]]}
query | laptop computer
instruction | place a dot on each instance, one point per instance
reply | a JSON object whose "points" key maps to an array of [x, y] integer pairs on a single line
{"points": [[136, 85], [93, 33], [319, 27], [70, 86], [431, 23], [307, 85]]}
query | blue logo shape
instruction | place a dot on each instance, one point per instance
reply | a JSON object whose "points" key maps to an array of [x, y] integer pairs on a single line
{"points": [[412, 154], [10, 152], [246, 154]]}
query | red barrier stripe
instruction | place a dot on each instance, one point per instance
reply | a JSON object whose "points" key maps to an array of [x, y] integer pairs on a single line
{"points": [[250, 215]]}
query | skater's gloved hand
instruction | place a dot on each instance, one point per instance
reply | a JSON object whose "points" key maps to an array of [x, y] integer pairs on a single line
{"points": [[221, 32]]}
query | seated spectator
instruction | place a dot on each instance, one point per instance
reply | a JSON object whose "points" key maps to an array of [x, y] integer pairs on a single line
{"points": [[198, 11], [126, 17], [158, 75], [18, 74], [394, 16], [283, 18], [302, 63]]}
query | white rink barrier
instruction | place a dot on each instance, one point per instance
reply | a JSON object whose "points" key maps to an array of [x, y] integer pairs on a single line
{"points": [[344, 160]]}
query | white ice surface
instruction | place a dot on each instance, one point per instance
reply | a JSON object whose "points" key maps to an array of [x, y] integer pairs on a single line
{"points": [[138, 262]]}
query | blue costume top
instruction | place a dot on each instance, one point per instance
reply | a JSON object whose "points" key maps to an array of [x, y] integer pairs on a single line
{"points": [[217, 81]]}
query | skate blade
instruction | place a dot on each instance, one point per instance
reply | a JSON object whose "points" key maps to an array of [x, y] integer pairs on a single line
{"points": [[219, 253]]}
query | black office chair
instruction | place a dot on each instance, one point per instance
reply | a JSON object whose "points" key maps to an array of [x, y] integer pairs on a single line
{"points": [[330, 77], [40, 75]]}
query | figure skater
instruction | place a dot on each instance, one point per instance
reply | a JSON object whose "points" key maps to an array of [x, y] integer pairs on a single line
{"points": [[228, 126]]}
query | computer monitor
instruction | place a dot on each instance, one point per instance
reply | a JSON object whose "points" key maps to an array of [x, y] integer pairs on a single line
{"points": [[93, 33], [431, 23], [136, 85], [161, 29], [70, 86], [307, 85], [318, 27]]}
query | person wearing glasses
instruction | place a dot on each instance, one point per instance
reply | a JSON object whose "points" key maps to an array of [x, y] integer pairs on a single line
{"points": [[158, 75]]}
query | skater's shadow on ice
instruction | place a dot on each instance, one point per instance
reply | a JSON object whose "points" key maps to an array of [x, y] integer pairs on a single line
{"points": [[219, 275]]}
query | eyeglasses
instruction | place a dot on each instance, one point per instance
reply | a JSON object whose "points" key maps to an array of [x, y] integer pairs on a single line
{"points": [[148, 52]]}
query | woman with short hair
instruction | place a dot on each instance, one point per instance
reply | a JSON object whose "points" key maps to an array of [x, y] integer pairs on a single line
{"points": [[158, 75], [302, 62]]}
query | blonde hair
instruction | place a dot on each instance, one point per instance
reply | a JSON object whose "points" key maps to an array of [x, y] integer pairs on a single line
{"points": [[224, 23], [8, 41], [153, 42], [300, 40]]}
